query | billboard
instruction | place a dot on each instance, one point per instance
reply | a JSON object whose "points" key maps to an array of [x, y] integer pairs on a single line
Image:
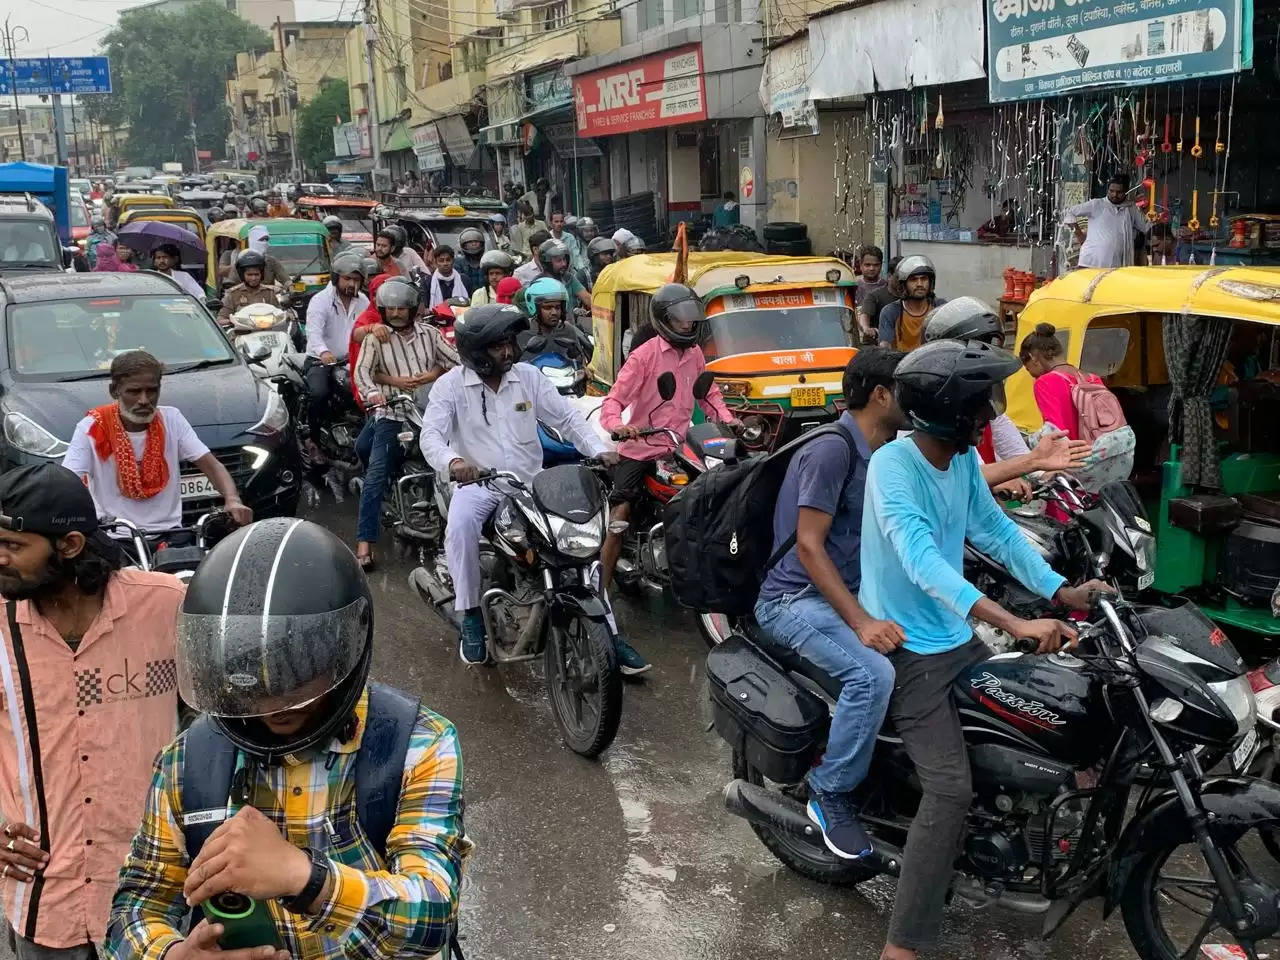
{"points": [[55, 75], [655, 91]]}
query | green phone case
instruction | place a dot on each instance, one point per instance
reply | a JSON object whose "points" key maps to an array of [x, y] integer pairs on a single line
{"points": [[246, 922]]}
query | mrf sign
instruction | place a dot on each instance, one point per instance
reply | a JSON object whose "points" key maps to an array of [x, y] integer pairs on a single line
{"points": [[656, 91]]}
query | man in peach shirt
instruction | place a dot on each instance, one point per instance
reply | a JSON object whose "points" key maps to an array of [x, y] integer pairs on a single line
{"points": [[89, 692]]}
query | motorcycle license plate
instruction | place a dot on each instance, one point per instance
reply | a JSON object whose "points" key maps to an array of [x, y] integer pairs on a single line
{"points": [[808, 397], [196, 486], [1146, 580], [1243, 754]]}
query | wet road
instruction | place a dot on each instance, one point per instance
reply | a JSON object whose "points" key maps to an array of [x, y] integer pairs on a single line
{"points": [[634, 856]]}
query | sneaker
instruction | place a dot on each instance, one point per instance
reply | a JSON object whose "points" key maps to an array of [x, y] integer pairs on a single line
{"points": [[473, 649], [837, 818], [629, 661]]}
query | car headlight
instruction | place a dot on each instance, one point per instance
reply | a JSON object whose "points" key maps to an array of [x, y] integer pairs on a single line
{"points": [[274, 419], [1238, 696], [26, 435], [578, 539]]}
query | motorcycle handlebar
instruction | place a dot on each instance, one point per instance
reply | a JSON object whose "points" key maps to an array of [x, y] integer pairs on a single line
{"points": [[487, 476]]}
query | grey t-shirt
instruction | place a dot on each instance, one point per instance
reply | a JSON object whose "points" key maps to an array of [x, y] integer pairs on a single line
{"points": [[822, 475]]}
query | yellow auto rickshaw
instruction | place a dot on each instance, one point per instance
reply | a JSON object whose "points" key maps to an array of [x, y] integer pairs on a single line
{"points": [[125, 202], [777, 340], [184, 217], [1220, 545], [301, 246]]}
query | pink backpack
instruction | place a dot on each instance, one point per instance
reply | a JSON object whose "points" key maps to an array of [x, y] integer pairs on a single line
{"points": [[1097, 408]]}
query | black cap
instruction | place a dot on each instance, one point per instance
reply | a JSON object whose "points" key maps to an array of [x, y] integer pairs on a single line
{"points": [[48, 499]]}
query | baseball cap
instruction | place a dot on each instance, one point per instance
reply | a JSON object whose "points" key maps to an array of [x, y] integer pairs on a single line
{"points": [[46, 498]]}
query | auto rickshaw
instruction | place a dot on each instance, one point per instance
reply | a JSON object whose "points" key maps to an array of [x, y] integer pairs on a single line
{"points": [[777, 343], [356, 214], [183, 217], [301, 246], [124, 202], [1220, 546]]}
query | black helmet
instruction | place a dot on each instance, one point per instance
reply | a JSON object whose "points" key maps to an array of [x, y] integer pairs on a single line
{"points": [[471, 235], [497, 260], [216, 214], [399, 236], [675, 301], [396, 292], [247, 260], [964, 318], [950, 389], [277, 616], [601, 245], [258, 205], [345, 264], [481, 327], [551, 249], [914, 265]]}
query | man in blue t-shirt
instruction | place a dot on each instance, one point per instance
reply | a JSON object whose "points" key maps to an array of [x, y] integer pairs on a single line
{"points": [[926, 494], [808, 601]]}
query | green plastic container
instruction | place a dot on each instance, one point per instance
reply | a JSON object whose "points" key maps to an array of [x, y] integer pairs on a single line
{"points": [[246, 922]]}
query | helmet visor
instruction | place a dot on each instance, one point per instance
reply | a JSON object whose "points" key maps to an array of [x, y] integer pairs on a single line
{"points": [[251, 665], [686, 312]]}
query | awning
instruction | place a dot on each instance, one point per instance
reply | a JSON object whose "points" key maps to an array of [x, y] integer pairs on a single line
{"points": [[395, 137], [500, 134], [457, 139]]}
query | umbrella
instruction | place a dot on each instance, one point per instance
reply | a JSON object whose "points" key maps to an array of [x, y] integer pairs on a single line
{"points": [[145, 235]]}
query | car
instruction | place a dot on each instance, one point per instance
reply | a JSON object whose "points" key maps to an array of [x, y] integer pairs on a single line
{"points": [[28, 237], [81, 221], [432, 220], [57, 341]]}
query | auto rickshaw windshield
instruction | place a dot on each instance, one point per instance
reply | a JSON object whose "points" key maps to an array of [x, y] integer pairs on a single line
{"points": [[756, 331]]}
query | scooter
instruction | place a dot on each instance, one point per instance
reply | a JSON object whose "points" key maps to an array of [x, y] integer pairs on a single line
{"points": [[264, 334]]}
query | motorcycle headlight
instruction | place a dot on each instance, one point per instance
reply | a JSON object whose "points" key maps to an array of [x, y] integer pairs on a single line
{"points": [[1143, 548], [26, 435], [579, 540], [274, 419], [1238, 696]]}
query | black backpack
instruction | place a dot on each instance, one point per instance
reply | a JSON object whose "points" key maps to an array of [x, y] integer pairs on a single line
{"points": [[719, 530]]}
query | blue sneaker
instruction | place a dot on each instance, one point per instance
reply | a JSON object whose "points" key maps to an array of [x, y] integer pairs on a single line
{"points": [[837, 817], [629, 660], [473, 648]]}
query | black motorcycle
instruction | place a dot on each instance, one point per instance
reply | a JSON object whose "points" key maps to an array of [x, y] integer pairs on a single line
{"points": [[541, 596], [1055, 743], [409, 507], [327, 449]]}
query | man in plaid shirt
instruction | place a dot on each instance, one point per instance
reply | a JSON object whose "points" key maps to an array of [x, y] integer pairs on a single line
{"points": [[274, 644]]}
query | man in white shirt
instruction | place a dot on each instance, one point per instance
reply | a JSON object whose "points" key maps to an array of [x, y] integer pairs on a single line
{"points": [[1115, 225], [129, 452], [166, 259], [330, 316], [484, 415], [445, 282]]}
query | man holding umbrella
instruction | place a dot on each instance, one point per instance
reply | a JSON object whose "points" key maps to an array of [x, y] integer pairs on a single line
{"points": [[167, 258], [167, 242]]}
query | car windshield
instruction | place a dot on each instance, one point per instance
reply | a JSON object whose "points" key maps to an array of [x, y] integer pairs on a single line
{"points": [[764, 331], [79, 215], [317, 189], [447, 231], [60, 339], [30, 242], [298, 254], [350, 225]]}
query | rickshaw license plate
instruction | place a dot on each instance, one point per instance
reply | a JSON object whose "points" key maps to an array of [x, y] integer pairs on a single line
{"points": [[1242, 754], [808, 397]]}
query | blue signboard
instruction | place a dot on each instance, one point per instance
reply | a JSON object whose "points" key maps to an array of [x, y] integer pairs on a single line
{"points": [[48, 75], [1045, 48]]}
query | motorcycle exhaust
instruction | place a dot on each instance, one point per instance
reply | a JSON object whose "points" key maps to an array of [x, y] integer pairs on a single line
{"points": [[429, 588], [527, 640]]}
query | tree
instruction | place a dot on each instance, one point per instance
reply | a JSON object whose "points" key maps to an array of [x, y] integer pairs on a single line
{"points": [[168, 69], [315, 122]]}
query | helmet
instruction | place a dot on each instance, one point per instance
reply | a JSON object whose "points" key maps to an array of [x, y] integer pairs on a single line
{"points": [[370, 267], [258, 205], [551, 249], [675, 301], [331, 221], [634, 245], [471, 235], [397, 292], [570, 221], [964, 318], [497, 260], [600, 245], [544, 288], [948, 387], [399, 236], [498, 218], [587, 228], [480, 328], [914, 265], [98, 221], [278, 615], [216, 214], [346, 264], [247, 260]]}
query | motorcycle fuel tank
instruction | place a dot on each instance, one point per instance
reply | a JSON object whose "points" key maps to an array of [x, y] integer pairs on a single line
{"points": [[1049, 701]]}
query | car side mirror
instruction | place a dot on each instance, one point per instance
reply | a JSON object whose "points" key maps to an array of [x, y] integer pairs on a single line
{"points": [[68, 255], [667, 385], [702, 386]]}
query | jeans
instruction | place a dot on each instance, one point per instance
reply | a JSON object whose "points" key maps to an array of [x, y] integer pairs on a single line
{"points": [[25, 949], [806, 623], [924, 711], [380, 437]]}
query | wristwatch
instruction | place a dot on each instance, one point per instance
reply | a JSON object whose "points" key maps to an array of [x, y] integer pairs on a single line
{"points": [[315, 883]]}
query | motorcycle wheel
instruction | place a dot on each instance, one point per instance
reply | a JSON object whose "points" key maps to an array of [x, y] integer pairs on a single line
{"points": [[811, 862], [1171, 904], [584, 683], [715, 628]]}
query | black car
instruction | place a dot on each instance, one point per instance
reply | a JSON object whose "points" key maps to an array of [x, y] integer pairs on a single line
{"points": [[59, 336]]}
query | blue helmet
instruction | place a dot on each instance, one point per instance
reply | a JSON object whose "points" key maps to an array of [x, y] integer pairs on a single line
{"points": [[545, 288]]}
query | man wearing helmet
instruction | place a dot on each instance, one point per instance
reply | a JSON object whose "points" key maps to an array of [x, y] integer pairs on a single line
{"points": [[336, 244], [330, 316], [335, 800], [901, 322], [587, 230], [408, 258], [501, 238], [553, 260], [412, 356], [258, 209], [250, 267], [577, 252], [215, 215], [495, 266], [680, 321], [601, 252], [471, 247], [484, 415], [547, 302], [925, 495]]}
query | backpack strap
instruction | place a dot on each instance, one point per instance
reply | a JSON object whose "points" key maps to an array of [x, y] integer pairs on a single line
{"points": [[379, 764], [785, 547], [206, 782]]}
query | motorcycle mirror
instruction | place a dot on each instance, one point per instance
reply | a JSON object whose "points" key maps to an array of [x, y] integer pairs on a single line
{"points": [[537, 344], [702, 386], [667, 385], [214, 304]]}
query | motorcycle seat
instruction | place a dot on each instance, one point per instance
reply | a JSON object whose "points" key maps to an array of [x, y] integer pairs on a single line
{"points": [[792, 661]]}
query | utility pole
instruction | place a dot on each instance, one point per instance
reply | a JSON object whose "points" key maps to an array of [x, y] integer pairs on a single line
{"points": [[370, 41], [75, 136], [289, 100], [195, 148], [12, 36]]}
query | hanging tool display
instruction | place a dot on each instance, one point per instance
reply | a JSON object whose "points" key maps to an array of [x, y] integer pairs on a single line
{"points": [[938, 120], [1152, 214], [1196, 149], [1166, 146], [1194, 223], [1164, 202]]}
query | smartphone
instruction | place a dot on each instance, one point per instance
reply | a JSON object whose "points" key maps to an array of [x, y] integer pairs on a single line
{"points": [[246, 922]]}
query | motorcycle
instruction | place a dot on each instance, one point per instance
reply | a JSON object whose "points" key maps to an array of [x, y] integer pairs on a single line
{"points": [[410, 509], [177, 552], [328, 450], [541, 594], [264, 334], [444, 314], [1055, 743]]}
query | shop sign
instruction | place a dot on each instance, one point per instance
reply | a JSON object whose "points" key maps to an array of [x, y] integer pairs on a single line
{"points": [[548, 89], [656, 91], [366, 139], [427, 147], [346, 140], [457, 139], [504, 100], [746, 183], [1042, 48], [784, 87]]}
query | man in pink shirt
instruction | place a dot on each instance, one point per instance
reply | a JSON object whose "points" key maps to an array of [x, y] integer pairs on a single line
{"points": [[89, 689], [680, 321]]}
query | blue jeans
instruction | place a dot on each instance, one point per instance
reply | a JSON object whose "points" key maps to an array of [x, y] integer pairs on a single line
{"points": [[379, 447], [806, 623]]}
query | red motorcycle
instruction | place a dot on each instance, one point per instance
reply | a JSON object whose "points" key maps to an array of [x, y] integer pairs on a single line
{"points": [[443, 315]]}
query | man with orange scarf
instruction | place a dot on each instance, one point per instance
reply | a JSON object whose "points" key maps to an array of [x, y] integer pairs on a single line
{"points": [[128, 451]]}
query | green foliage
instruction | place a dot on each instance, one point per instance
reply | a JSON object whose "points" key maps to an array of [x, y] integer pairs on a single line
{"points": [[166, 67], [315, 123]]}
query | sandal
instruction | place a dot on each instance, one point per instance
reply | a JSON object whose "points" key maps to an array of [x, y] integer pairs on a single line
{"points": [[365, 560]]}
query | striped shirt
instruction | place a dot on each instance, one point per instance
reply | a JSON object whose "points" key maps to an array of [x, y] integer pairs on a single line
{"points": [[400, 906], [401, 356]]}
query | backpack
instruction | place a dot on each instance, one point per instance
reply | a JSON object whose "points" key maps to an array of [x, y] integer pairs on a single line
{"points": [[719, 530], [1097, 408]]}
